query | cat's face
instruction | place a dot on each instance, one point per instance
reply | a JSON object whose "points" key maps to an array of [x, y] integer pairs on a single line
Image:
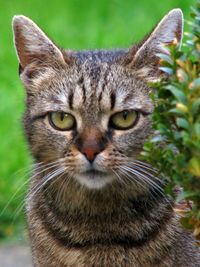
{"points": [[89, 112], [107, 111]]}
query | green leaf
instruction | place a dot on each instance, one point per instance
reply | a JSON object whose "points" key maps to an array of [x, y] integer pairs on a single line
{"points": [[196, 107], [176, 151], [195, 83], [184, 195], [194, 166], [169, 71], [165, 58], [183, 123], [177, 93], [158, 138], [190, 43], [197, 130], [182, 75], [176, 111]]}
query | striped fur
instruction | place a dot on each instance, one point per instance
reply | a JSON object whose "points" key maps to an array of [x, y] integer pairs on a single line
{"points": [[117, 214]]}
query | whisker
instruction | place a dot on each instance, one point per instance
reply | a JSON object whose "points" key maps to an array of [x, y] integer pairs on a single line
{"points": [[44, 165], [63, 186], [35, 174], [133, 178], [44, 181], [145, 164], [144, 172], [19, 209], [43, 170], [118, 176], [61, 190], [151, 169], [140, 181], [37, 169], [11, 199], [160, 189]]}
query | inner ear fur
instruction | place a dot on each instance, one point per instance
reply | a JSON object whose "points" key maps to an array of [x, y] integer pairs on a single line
{"points": [[33, 46], [144, 55]]}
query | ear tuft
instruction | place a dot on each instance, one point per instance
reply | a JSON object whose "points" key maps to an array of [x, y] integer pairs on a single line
{"points": [[32, 44]]}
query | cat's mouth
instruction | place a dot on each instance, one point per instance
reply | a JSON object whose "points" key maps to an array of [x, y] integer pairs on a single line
{"points": [[92, 173], [94, 179]]}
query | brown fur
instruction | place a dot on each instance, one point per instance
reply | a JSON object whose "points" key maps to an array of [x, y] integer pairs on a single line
{"points": [[117, 214]]}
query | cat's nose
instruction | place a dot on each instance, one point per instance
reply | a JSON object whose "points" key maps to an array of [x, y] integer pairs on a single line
{"points": [[91, 142], [90, 153]]}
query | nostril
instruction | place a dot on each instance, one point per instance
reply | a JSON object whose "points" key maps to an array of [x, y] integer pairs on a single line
{"points": [[90, 154]]}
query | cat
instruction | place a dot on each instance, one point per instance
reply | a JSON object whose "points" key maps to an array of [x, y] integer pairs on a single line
{"points": [[92, 202]]}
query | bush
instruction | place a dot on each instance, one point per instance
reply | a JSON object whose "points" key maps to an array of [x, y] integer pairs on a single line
{"points": [[175, 151]]}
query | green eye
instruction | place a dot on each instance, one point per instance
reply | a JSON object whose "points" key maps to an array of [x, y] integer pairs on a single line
{"points": [[62, 121], [123, 120]]}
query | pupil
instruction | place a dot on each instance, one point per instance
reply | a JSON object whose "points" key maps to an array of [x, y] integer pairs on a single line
{"points": [[62, 115], [125, 115]]}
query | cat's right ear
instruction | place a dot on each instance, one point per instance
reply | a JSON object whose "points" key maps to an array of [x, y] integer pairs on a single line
{"points": [[144, 58], [33, 46]]}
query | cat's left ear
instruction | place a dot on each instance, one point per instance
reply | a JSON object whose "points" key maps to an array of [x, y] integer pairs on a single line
{"points": [[33, 45], [145, 59]]}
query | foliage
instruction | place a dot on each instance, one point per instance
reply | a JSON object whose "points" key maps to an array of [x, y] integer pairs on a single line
{"points": [[175, 150]]}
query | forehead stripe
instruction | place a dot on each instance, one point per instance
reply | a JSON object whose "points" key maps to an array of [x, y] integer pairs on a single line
{"points": [[103, 85], [82, 85], [105, 80], [112, 100], [70, 99]]}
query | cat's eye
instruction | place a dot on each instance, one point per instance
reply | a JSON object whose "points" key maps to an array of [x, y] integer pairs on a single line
{"points": [[62, 121], [123, 120]]}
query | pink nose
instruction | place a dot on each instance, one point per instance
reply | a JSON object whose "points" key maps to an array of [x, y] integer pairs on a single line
{"points": [[90, 153]]}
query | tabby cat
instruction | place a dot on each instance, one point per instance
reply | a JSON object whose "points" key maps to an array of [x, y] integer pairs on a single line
{"points": [[92, 202]]}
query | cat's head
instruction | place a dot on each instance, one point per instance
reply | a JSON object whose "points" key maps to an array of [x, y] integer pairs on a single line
{"points": [[88, 112]]}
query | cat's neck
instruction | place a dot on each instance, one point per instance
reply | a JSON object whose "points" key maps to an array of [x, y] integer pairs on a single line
{"points": [[85, 217], [112, 198]]}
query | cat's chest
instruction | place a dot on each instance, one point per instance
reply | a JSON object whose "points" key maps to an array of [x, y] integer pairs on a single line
{"points": [[100, 256], [48, 251], [130, 237]]}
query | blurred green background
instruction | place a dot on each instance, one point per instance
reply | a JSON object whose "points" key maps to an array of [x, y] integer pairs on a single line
{"points": [[73, 24]]}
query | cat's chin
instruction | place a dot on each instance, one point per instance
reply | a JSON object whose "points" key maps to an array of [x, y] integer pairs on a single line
{"points": [[94, 179]]}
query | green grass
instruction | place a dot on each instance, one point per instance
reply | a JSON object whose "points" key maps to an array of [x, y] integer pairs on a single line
{"points": [[72, 24]]}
